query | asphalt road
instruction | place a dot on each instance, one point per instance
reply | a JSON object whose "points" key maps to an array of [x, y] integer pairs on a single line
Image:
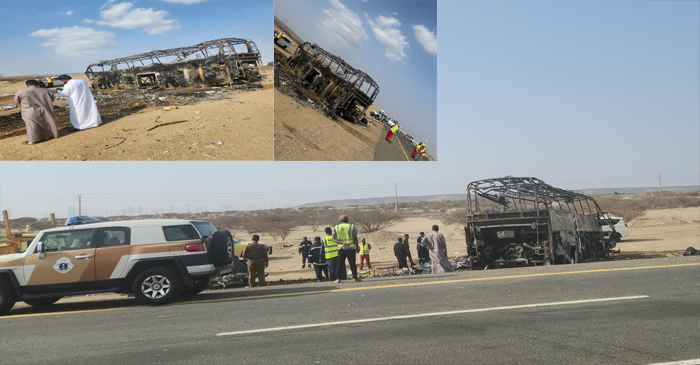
{"points": [[630, 312], [399, 149]]}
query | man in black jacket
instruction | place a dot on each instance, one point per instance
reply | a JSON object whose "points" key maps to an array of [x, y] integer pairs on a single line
{"points": [[304, 252], [317, 256]]}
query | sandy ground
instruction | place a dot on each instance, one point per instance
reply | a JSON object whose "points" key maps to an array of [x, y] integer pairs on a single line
{"points": [[305, 134], [657, 233], [663, 230], [242, 123]]}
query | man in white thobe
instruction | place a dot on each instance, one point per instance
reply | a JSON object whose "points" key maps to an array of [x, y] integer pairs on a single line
{"points": [[83, 110], [435, 242]]}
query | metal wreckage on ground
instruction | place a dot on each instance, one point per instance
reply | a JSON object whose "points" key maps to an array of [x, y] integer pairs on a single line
{"points": [[212, 63], [347, 92], [519, 221]]}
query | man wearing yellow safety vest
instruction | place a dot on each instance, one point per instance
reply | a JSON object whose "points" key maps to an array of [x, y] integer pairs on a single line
{"points": [[392, 131], [330, 251], [364, 254], [422, 151], [345, 235], [416, 150]]}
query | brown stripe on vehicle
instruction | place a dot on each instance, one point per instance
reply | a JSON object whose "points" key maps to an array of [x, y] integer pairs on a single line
{"points": [[161, 247], [107, 258]]}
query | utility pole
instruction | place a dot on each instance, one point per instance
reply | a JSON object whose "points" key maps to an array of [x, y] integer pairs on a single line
{"points": [[80, 205], [658, 176], [396, 198]]}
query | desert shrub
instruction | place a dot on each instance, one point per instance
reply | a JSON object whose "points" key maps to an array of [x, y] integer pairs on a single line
{"points": [[454, 216], [373, 220]]}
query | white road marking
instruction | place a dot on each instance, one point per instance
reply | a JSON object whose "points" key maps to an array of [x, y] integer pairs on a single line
{"points": [[682, 362], [273, 329]]}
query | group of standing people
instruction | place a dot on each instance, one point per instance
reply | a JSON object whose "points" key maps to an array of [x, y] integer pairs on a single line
{"points": [[38, 114], [329, 254], [419, 150], [431, 248]]}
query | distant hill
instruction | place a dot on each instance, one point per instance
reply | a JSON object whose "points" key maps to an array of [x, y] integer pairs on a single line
{"points": [[431, 198], [385, 200]]}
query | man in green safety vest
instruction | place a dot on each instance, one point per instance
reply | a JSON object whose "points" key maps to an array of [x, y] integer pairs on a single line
{"points": [[330, 249], [345, 235]]}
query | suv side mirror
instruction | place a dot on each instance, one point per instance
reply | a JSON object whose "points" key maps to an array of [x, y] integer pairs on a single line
{"points": [[41, 249]]}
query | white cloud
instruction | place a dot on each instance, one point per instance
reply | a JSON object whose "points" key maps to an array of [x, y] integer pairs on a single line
{"points": [[75, 41], [426, 38], [386, 30], [88, 21], [342, 25], [184, 1], [69, 12], [122, 16]]}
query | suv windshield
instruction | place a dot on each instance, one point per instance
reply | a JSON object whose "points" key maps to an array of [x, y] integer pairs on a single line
{"points": [[204, 228]]}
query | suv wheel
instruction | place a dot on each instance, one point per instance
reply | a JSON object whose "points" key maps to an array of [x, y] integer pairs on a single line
{"points": [[199, 285], [157, 286], [8, 297], [40, 302], [221, 245]]}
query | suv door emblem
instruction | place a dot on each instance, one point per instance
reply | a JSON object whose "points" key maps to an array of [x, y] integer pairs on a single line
{"points": [[63, 265]]}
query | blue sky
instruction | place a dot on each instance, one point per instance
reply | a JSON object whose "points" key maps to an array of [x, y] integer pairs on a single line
{"points": [[53, 37], [578, 94], [395, 42]]}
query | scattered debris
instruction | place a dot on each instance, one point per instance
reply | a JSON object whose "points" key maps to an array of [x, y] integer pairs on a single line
{"points": [[168, 123], [691, 251], [122, 141], [461, 262]]}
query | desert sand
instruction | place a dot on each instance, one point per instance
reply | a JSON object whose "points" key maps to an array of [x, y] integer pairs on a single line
{"points": [[239, 126]]}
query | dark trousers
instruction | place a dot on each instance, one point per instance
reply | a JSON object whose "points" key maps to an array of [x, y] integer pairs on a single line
{"points": [[351, 256], [303, 260], [256, 269], [402, 261], [321, 270], [332, 266]]}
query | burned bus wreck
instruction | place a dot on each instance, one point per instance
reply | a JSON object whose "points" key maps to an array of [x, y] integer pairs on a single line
{"points": [[212, 63], [345, 91], [519, 221]]}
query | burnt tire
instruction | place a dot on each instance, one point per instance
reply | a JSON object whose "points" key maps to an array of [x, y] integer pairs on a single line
{"points": [[157, 286], [42, 302], [199, 285], [221, 248], [8, 297]]}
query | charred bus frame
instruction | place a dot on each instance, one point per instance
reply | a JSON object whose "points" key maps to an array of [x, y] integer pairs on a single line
{"points": [[346, 91], [516, 221], [212, 63]]}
